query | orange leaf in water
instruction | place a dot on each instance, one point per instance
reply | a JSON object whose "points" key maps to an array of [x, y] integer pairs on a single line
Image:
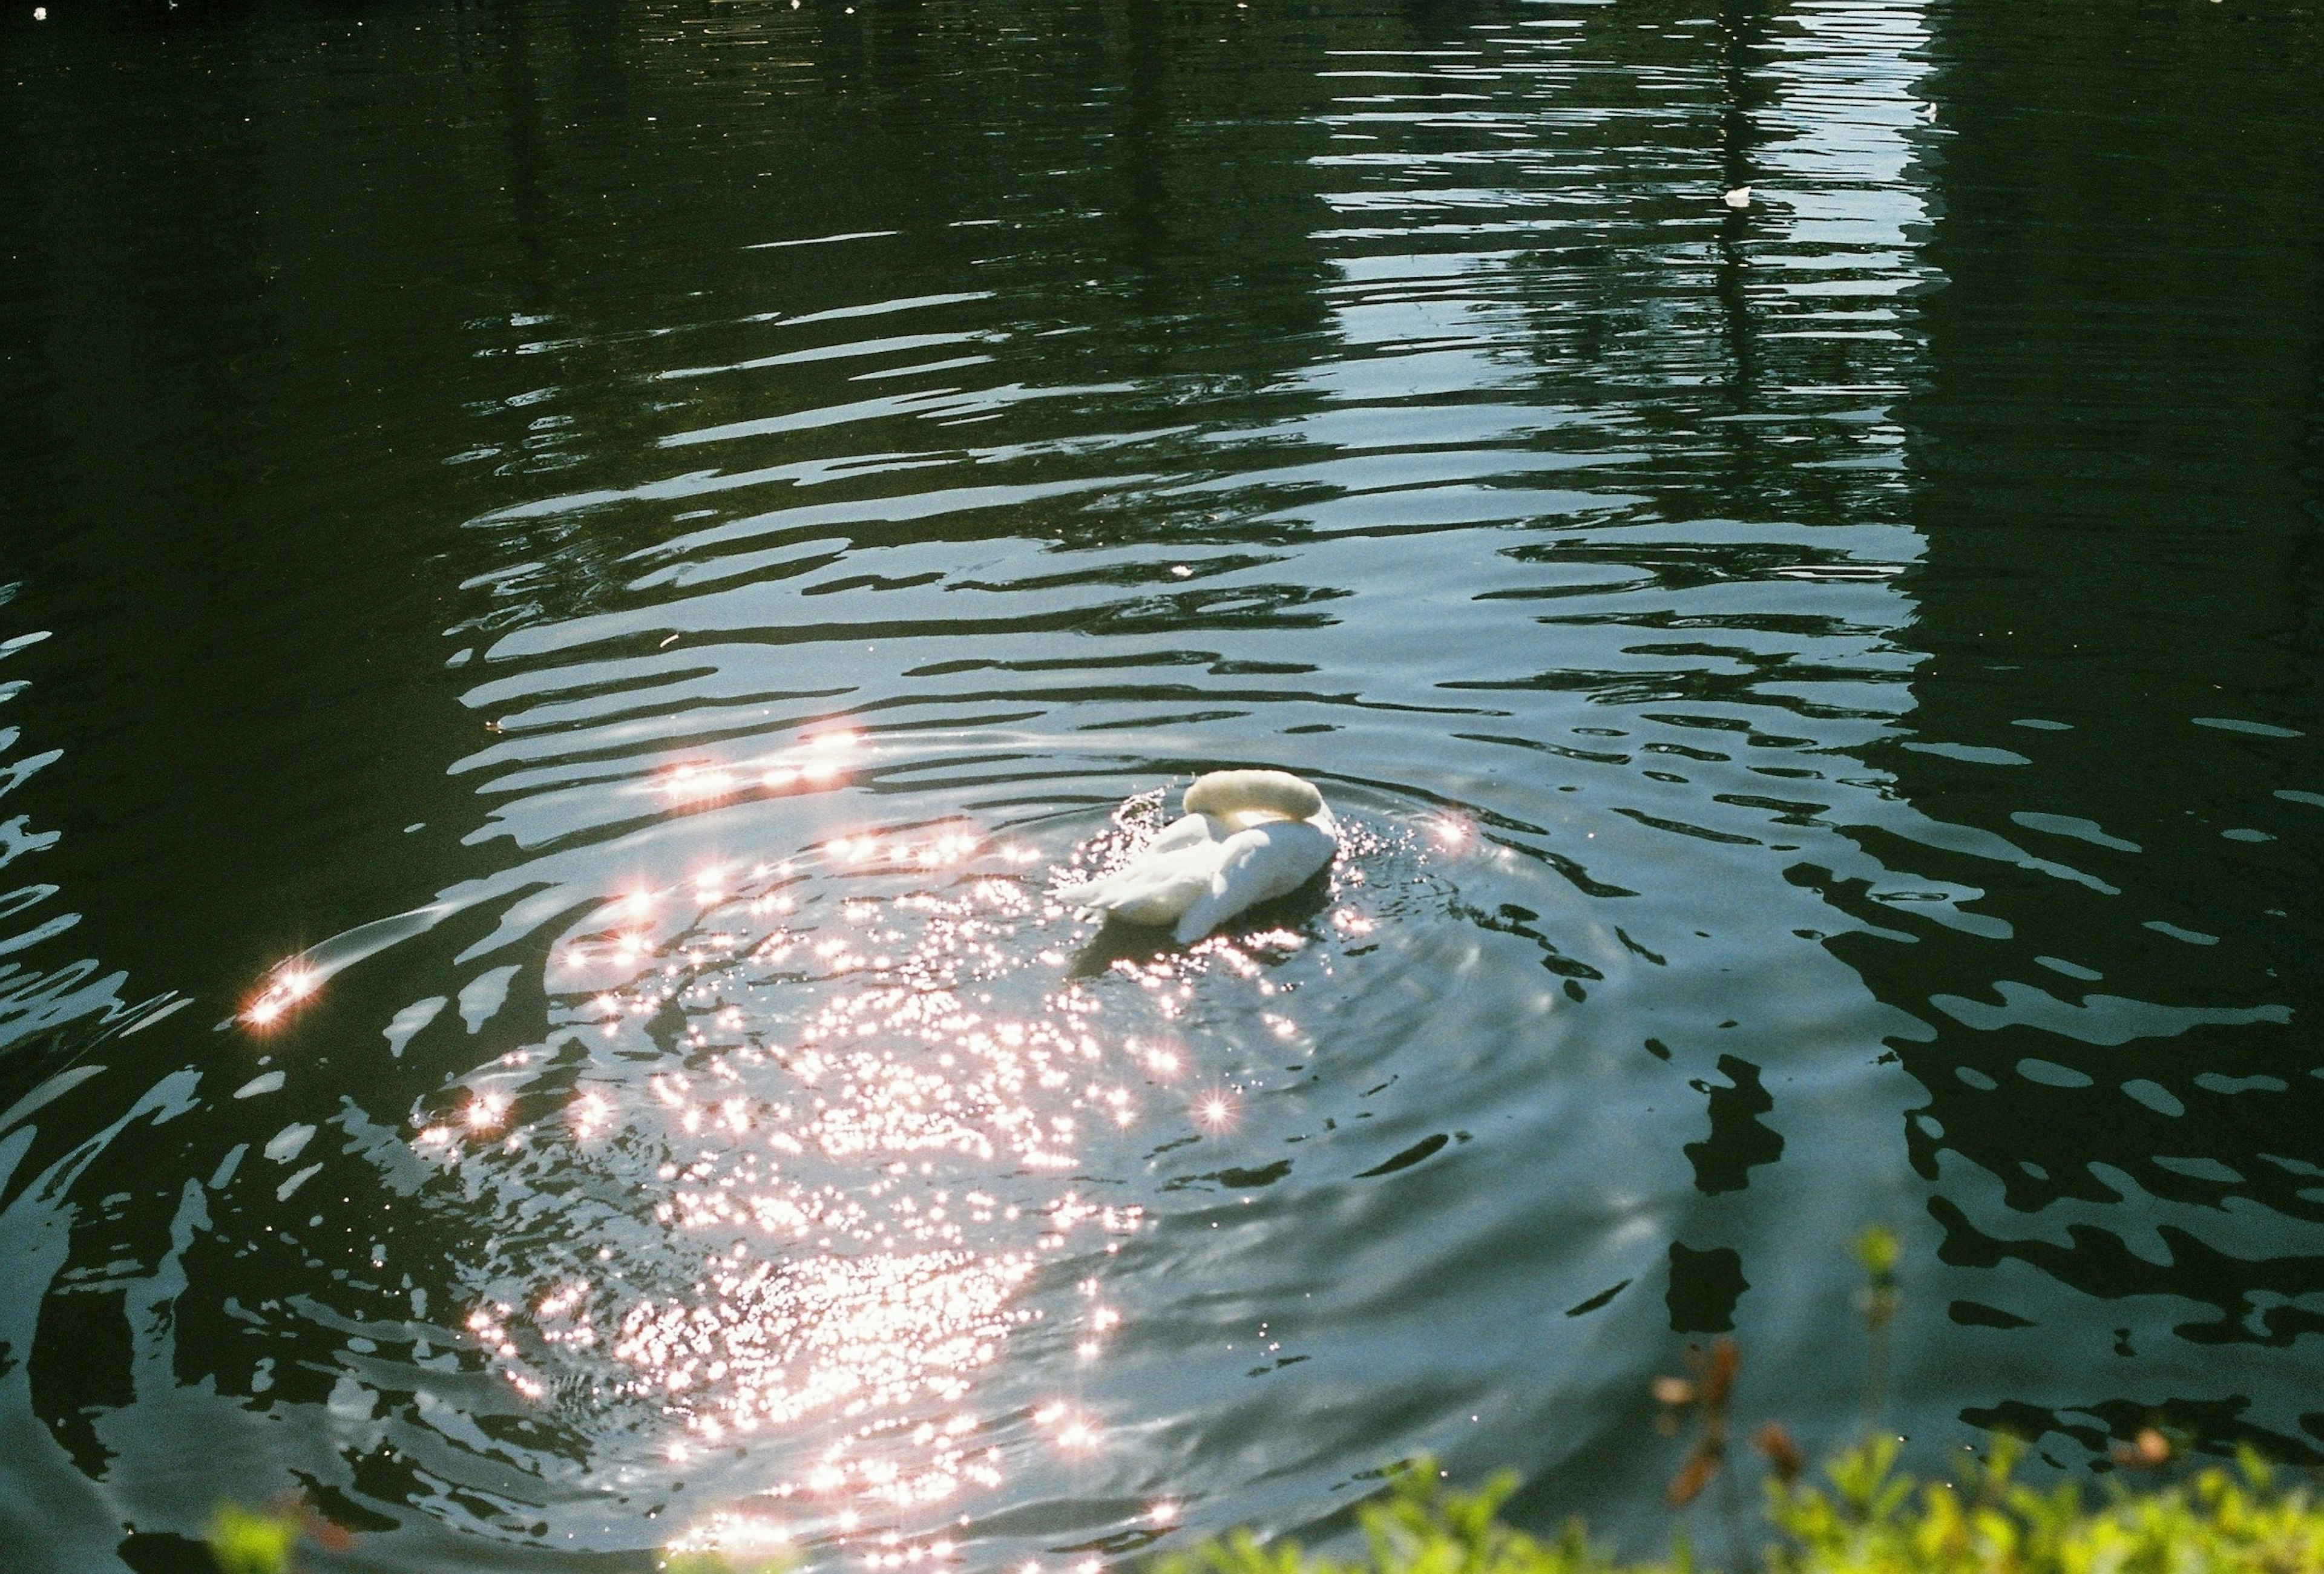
{"points": [[1774, 1440], [1719, 1373], [1692, 1478]]}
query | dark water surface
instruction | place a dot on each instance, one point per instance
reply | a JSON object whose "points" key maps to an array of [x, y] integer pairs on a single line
{"points": [[634, 543]]}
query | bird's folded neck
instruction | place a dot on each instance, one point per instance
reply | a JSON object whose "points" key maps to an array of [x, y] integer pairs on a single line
{"points": [[1244, 819]]}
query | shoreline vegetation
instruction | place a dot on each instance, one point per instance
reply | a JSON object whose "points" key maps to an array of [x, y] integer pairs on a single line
{"points": [[1863, 1516], [1865, 1519]]}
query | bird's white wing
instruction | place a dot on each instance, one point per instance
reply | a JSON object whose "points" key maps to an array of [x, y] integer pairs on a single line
{"points": [[1255, 866], [1168, 874], [1185, 831]]}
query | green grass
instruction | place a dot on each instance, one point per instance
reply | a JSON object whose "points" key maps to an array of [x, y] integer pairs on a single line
{"points": [[245, 1543], [1864, 1518]]}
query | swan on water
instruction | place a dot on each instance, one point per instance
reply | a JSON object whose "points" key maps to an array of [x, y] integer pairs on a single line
{"points": [[1248, 836]]}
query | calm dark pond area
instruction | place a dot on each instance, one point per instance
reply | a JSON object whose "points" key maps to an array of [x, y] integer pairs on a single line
{"points": [[572, 574]]}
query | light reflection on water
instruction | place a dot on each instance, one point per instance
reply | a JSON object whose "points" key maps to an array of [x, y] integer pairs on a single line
{"points": [[856, 1105]]}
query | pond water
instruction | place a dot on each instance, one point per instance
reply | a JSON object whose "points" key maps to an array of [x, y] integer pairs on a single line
{"points": [[576, 572]]}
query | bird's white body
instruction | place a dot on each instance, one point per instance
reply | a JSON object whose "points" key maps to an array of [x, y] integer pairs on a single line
{"points": [[1248, 837]]}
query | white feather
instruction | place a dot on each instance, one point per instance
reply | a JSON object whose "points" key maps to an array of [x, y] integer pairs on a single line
{"points": [[1206, 868]]}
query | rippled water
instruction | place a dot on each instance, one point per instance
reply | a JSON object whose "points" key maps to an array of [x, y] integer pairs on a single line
{"points": [[576, 574]]}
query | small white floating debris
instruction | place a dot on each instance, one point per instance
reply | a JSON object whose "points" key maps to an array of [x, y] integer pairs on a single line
{"points": [[1738, 198], [287, 1142], [265, 1083]]}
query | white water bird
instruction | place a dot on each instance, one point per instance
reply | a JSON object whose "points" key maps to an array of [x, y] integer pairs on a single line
{"points": [[1248, 836]]}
